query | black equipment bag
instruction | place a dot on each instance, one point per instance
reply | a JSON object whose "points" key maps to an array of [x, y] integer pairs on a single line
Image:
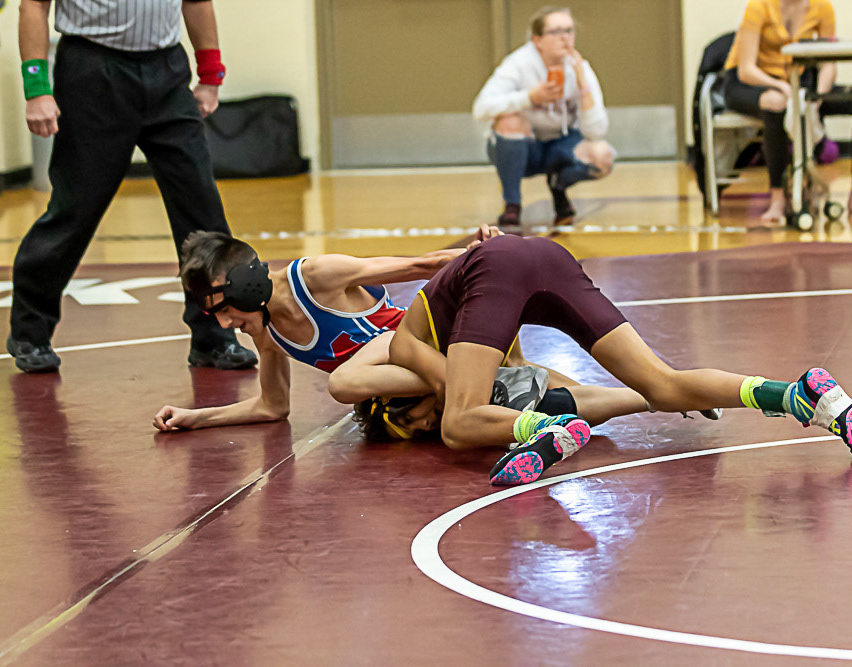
{"points": [[256, 137]]}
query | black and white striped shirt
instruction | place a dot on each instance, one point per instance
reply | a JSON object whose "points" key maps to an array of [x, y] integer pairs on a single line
{"points": [[127, 25]]}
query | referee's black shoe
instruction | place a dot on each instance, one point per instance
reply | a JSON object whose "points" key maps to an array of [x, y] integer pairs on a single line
{"points": [[226, 357], [33, 358]]}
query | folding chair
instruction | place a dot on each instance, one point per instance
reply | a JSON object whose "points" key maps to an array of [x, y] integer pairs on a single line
{"points": [[719, 136], [719, 165]]}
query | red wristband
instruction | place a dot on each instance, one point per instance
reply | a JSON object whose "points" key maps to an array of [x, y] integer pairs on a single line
{"points": [[211, 71]]}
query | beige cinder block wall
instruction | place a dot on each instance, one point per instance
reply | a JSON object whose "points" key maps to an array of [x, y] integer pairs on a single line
{"points": [[268, 46]]}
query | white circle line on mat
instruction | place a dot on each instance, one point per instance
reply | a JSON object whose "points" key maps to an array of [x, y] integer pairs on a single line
{"points": [[424, 551]]}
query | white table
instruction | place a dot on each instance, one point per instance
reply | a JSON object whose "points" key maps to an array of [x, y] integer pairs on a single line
{"points": [[807, 54]]}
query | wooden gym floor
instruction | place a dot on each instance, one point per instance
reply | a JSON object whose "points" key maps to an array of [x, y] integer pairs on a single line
{"points": [[665, 541]]}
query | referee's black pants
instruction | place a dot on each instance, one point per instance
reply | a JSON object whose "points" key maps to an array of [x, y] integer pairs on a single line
{"points": [[111, 101]]}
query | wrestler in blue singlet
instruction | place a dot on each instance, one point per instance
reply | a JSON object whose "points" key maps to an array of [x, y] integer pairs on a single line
{"points": [[337, 335]]}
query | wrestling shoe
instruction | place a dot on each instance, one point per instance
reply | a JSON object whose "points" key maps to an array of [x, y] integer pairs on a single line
{"points": [[547, 446], [816, 399], [843, 425], [530, 422]]}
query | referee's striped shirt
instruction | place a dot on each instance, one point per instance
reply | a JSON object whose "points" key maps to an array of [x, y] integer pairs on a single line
{"points": [[127, 25]]}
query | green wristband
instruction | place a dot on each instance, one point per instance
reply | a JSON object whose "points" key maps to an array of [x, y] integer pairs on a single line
{"points": [[36, 79]]}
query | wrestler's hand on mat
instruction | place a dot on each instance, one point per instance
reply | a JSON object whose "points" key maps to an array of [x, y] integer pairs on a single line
{"points": [[484, 233], [547, 92], [170, 418], [43, 115], [207, 98]]}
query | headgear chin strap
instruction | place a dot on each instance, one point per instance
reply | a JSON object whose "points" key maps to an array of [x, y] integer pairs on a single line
{"points": [[247, 287], [394, 408]]}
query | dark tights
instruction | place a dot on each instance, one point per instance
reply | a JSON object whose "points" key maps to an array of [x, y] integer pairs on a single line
{"points": [[745, 99]]}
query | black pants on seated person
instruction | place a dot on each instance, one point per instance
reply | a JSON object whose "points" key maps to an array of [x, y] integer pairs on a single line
{"points": [[745, 99]]}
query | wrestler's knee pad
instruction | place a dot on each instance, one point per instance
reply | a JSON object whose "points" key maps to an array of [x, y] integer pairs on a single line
{"points": [[557, 402]]}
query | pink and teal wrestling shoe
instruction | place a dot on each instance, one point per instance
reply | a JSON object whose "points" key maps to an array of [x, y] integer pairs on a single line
{"points": [[547, 446], [816, 399]]}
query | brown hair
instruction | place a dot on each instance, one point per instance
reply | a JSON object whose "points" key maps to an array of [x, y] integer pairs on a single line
{"points": [[538, 19], [370, 421], [206, 256]]}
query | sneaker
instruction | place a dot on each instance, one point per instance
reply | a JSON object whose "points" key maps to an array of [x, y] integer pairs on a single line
{"points": [[511, 217], [230, 357], [563, 208], [816, 399], [33, 358], [526, 463]]}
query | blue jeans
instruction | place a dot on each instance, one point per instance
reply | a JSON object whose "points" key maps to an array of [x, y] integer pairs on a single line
{"points": [[519, 158]]}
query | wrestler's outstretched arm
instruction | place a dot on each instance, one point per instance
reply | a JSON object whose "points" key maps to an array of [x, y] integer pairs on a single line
{"points": [[328, 274], [271, 404]]}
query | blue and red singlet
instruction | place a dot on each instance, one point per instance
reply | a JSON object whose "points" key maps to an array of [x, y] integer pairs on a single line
{"points": [[337, 335]]}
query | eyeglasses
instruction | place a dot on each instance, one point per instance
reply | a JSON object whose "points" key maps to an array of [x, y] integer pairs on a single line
{"points": [[559, 32]]}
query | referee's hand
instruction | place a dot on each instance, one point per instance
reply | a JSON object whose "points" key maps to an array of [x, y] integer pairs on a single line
{"points": [[43, 115], [207, 98]]}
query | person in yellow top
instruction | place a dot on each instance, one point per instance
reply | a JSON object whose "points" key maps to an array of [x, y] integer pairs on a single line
{"points": [[757, 74]]}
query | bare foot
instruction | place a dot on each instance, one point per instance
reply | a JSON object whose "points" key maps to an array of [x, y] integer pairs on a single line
{"points": [[775, 215]]}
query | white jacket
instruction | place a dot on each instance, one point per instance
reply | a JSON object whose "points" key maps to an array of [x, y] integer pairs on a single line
{"points": [[507, 91]]}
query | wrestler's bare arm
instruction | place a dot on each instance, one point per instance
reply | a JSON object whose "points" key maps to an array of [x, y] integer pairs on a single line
{"points": [[369, 373], [271, 404], [409, 350], [338, 273]]}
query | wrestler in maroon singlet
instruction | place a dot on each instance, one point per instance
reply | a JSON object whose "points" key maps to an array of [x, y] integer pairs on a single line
{"points": [[481, 299], [485, 295]]}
